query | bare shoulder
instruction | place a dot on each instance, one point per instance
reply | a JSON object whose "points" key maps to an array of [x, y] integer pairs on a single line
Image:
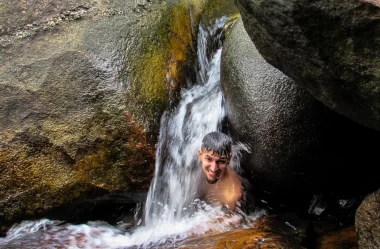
{"points": [[234, 188], [233, 177], [232, 172]]}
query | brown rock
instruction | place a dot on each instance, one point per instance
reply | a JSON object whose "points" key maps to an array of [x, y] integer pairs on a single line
{"points": [[367, 222], [345, 238], [82, 89], [266, 234]]}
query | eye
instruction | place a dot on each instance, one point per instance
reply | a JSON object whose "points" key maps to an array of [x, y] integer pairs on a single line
{"points": [[208, 159]]}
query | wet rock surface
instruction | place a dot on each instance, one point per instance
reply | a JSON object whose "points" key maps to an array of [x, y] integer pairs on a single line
{"points": [[82, 88], [22, 18], [367, 221], [303, 155], [278, 231], [331, 48], [344, 238], [266, 110]]}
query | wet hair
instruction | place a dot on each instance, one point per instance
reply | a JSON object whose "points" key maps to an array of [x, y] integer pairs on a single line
{"points": [[218, 143]]}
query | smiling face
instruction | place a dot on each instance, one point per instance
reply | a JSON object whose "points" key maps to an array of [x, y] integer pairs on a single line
{"points": [[213, 165]]}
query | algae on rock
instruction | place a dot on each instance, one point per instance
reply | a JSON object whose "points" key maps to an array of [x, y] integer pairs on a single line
{"points": [[165, 57]]}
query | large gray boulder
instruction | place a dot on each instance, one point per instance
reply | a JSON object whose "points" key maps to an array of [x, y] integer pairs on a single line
{"points": [[83, 85], [268, 111], [367, 222], [332, 48], [298, 146]]}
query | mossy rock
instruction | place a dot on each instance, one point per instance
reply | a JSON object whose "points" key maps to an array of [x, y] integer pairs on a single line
{"points": [[82, 90]]}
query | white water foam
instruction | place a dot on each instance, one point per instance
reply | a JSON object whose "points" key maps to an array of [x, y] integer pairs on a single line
{"points": [[177, 176], [46, 234]]}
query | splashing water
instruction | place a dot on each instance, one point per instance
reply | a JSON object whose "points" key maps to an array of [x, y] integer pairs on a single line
{"points": [[173, 211], [45, 234], [177, 172]]}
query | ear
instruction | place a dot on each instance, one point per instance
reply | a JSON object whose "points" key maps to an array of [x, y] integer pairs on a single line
{"points": [[199, 154], [229, 158]]}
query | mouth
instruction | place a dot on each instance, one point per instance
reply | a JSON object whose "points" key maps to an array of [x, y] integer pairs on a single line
{"points": [[213, 174]]}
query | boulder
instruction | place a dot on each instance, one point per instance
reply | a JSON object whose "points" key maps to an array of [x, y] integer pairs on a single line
{"points": [[299, 148], [83, 85], [331, 48], [367, 222], [268, 112]]}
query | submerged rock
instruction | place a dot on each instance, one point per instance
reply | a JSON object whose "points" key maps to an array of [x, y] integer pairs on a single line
{"points": [[338, 239], [268, 232], [279, 231], [332, 48]]}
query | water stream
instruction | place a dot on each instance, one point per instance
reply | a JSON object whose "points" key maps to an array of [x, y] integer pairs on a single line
{"points": [[173, 211]]}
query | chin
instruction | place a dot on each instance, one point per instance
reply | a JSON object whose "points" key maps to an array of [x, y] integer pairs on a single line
{"points": [[211, 181]]}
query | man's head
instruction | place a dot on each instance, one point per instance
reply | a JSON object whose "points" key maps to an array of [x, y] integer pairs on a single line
{"points": [[215, 155]]}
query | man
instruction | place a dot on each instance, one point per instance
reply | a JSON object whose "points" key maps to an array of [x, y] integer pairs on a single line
{"points": [[223, 183]]}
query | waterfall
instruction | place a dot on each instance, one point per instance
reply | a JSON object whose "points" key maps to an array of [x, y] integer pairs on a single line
{"points": [[200, 111]]}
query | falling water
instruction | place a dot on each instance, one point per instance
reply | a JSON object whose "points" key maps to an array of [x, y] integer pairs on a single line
{"points": [[174, 187], [173, 211]]}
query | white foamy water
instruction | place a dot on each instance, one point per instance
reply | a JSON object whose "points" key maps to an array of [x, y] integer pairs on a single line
{"points": [[46, 234], [177, 175], [173, 211]]}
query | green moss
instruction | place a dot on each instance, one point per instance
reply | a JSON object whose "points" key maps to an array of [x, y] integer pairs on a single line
{"points": [[215, 9], [164, 60], [231, 22], [149, 79], [182, 43]]}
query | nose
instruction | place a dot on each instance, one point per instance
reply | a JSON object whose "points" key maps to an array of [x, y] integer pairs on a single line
{"points": [[214, 166]]}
